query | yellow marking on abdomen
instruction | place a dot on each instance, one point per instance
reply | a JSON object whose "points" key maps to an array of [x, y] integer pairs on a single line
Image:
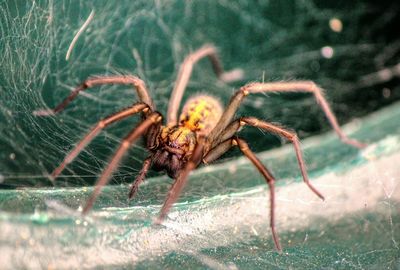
{"points": [[200, 114]]}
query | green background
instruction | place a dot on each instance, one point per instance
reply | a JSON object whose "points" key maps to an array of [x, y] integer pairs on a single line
{"points": [[269, 40]]}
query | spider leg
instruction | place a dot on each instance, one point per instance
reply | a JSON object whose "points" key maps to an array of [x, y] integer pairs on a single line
{"points": [[277, 130], [185, 72], [138, 107], [270, 181], [285, 87], [139, 130], [139, 179], [221, 148], [139, 85], [180, 181], [218, 150]]}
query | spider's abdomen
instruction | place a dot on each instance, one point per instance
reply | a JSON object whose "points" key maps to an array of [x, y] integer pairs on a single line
{"points": [[200, 114]]}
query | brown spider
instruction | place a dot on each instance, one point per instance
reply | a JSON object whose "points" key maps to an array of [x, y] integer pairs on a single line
{"points": [[203, 133]]}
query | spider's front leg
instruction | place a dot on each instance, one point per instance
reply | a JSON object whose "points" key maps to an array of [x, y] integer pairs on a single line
{"points": [[223, 147], [134, 109], [140, 178], [138, 131], [151, 142], [275, 129], [226, 140], [271, 184], [284, 87], [181, 180]]}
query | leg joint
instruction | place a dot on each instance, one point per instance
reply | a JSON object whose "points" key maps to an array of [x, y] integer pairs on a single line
{"points": [[291, 136], [86, 84], [242, 144], [250, 121], [102, 124], [242, 121], [125, 143], [245, 89]]}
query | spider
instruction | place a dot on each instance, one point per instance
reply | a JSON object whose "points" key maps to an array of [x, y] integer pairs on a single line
{"points": [[203, 132]]}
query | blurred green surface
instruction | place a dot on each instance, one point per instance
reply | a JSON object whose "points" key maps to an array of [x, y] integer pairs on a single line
{"points": [[270, 41]]}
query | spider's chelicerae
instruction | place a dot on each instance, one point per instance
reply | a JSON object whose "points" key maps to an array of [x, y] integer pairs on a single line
{"points": [[203, 132]]}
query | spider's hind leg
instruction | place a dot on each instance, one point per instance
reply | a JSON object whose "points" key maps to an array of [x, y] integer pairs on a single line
{"points": [[185, 71]]}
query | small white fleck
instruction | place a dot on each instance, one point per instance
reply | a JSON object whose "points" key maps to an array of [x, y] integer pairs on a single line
{"points": [[254, 231], [327, 52], [232, 169], [12, 156], [258, 103], [336, 25]]}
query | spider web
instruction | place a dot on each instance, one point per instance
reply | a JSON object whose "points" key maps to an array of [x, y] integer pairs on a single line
{"points": [[221, 221]]}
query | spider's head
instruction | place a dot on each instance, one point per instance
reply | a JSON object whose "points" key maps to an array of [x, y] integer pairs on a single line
{"points": [[176, 146]]}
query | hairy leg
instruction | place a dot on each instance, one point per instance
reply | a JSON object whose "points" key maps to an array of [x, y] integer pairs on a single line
{"points": [[283, 87], [140, 178], [139, 85], [138, 107], [185, 72], [181, 180], [221, 148], [113, 164], [277, 130]]}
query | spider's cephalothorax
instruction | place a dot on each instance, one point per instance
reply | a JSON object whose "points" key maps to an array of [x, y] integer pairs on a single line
{"points": [[177, 142], [202, 134]]}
